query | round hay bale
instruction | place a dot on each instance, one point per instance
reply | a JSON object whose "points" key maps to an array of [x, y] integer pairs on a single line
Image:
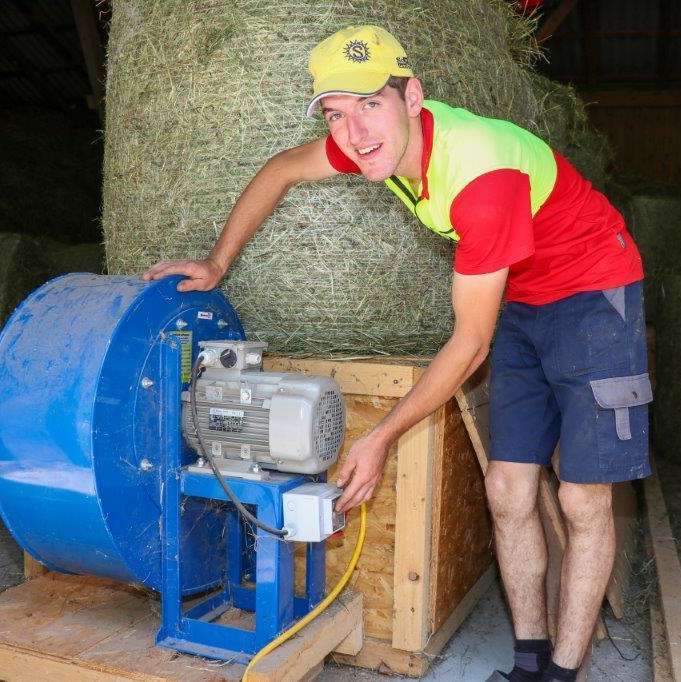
{"points": [[666, 415], [200, 94], [563, 122], [27, 262], [63, 258], [655, 217], [22, 269]]}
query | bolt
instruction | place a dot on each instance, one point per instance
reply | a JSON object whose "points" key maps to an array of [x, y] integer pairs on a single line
{"points": [[413, 576], [255, 468], [222, 324], [147, 383], [201, 462], [180, 324], [146, 465]]}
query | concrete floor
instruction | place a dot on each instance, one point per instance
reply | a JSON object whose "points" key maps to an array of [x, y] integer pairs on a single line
{"points": [[485, 642]]}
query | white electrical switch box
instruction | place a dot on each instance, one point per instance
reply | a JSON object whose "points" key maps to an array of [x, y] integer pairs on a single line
{"points": [[309, 515]]}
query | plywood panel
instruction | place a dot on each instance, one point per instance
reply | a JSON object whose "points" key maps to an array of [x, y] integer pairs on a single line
{"points": [[460, 520], [99, 630], [374, 573]]}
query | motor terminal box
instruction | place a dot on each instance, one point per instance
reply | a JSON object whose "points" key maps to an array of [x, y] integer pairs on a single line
{"points": [[309, 514]]}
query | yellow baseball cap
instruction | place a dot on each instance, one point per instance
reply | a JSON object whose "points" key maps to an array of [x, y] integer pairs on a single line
{"points": [[357, 60]]}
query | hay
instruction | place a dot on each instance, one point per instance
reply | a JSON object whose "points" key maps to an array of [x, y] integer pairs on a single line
{"points": [[564, 123], [667, 319], [22, 269], [63, 258], [200, 94], [27, 262], [656, 217], [655, 221]]}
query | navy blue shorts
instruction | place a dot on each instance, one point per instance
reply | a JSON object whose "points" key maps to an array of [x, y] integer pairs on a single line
{"points": [[574, 371]]}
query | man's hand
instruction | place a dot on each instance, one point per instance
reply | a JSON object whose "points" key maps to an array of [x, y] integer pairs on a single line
{"points": [[202, 275], [361, 471]]}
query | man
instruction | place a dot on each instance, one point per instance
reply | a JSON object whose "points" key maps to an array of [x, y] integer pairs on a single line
{"points": [[569, 359]]}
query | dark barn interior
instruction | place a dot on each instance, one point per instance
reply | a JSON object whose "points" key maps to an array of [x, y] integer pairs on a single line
{"points": [[623, 59]]}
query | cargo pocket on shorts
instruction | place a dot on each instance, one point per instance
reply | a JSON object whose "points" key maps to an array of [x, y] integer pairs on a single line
{"points": [[619, 394]]}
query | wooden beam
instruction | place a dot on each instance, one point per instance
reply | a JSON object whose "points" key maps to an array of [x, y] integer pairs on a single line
{"points": [[93, 53], [631, 98], [32, 568], [571, 34], [590, 52], [555, 19], [23, 665], [658, 639], [413, 505], [387, 379], [668, 569], [306, 650], [663, 42], [352, 644]]}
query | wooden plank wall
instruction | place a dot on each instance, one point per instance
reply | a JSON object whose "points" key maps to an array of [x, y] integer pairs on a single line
{"points": [[645, 138]]}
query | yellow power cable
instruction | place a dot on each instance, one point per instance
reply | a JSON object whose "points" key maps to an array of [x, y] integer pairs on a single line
{"points": [[299, 625]]}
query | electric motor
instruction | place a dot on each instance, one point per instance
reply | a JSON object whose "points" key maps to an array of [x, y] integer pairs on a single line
{"points": [[288, 422]]}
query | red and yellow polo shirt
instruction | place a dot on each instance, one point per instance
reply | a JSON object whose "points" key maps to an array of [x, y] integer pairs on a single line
{"points": [[509, 201]]}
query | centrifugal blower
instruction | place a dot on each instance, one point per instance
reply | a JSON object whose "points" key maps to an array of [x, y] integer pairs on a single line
{"points": [[140, 440]]}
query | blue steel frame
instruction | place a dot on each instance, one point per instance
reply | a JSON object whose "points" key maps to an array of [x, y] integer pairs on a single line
{"points": [[272, 599]]}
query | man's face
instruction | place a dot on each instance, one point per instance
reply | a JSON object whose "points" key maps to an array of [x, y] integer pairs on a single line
{"points": [[371, 131]]}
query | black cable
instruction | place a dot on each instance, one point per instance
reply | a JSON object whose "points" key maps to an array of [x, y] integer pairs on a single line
{"points": [[197, 369]]}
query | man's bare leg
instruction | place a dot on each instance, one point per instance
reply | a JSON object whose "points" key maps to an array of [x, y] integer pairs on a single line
{"points": [[521, 544], [587, 565]]}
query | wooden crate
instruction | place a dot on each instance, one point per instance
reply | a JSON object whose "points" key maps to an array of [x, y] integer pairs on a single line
{"points": [[427, 557]]}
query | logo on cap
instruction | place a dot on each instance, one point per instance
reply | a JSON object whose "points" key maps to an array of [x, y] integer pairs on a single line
{"points": [[402, 62], [357, 51]]}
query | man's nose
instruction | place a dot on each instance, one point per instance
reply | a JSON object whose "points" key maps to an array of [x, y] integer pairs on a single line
{"points": [[356, 130]]}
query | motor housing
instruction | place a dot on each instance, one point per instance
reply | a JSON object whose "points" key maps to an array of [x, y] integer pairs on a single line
{"points": [[289, 422]]}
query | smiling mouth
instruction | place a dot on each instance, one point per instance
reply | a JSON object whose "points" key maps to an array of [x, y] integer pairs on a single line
{"points": [[369, 152]]}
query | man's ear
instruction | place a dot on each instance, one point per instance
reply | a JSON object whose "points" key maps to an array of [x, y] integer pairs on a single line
{"points": [[413, 97]]}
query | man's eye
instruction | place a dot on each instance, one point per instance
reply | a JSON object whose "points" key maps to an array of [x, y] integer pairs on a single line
{"points": [[372, 104], [333, 117]]}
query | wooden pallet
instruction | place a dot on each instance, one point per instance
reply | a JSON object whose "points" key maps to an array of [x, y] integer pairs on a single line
{"points": [[665, 614], [71, 628]]}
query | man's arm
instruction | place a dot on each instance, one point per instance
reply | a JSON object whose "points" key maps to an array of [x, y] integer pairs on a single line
{"points": [[306, 163], [476, 300]]}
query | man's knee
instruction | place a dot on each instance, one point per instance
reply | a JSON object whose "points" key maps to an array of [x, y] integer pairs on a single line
{"points": [[586, 505], [512, 489]]}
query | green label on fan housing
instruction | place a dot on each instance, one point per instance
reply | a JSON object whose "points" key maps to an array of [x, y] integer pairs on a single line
{"points": [[185, 339]]}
